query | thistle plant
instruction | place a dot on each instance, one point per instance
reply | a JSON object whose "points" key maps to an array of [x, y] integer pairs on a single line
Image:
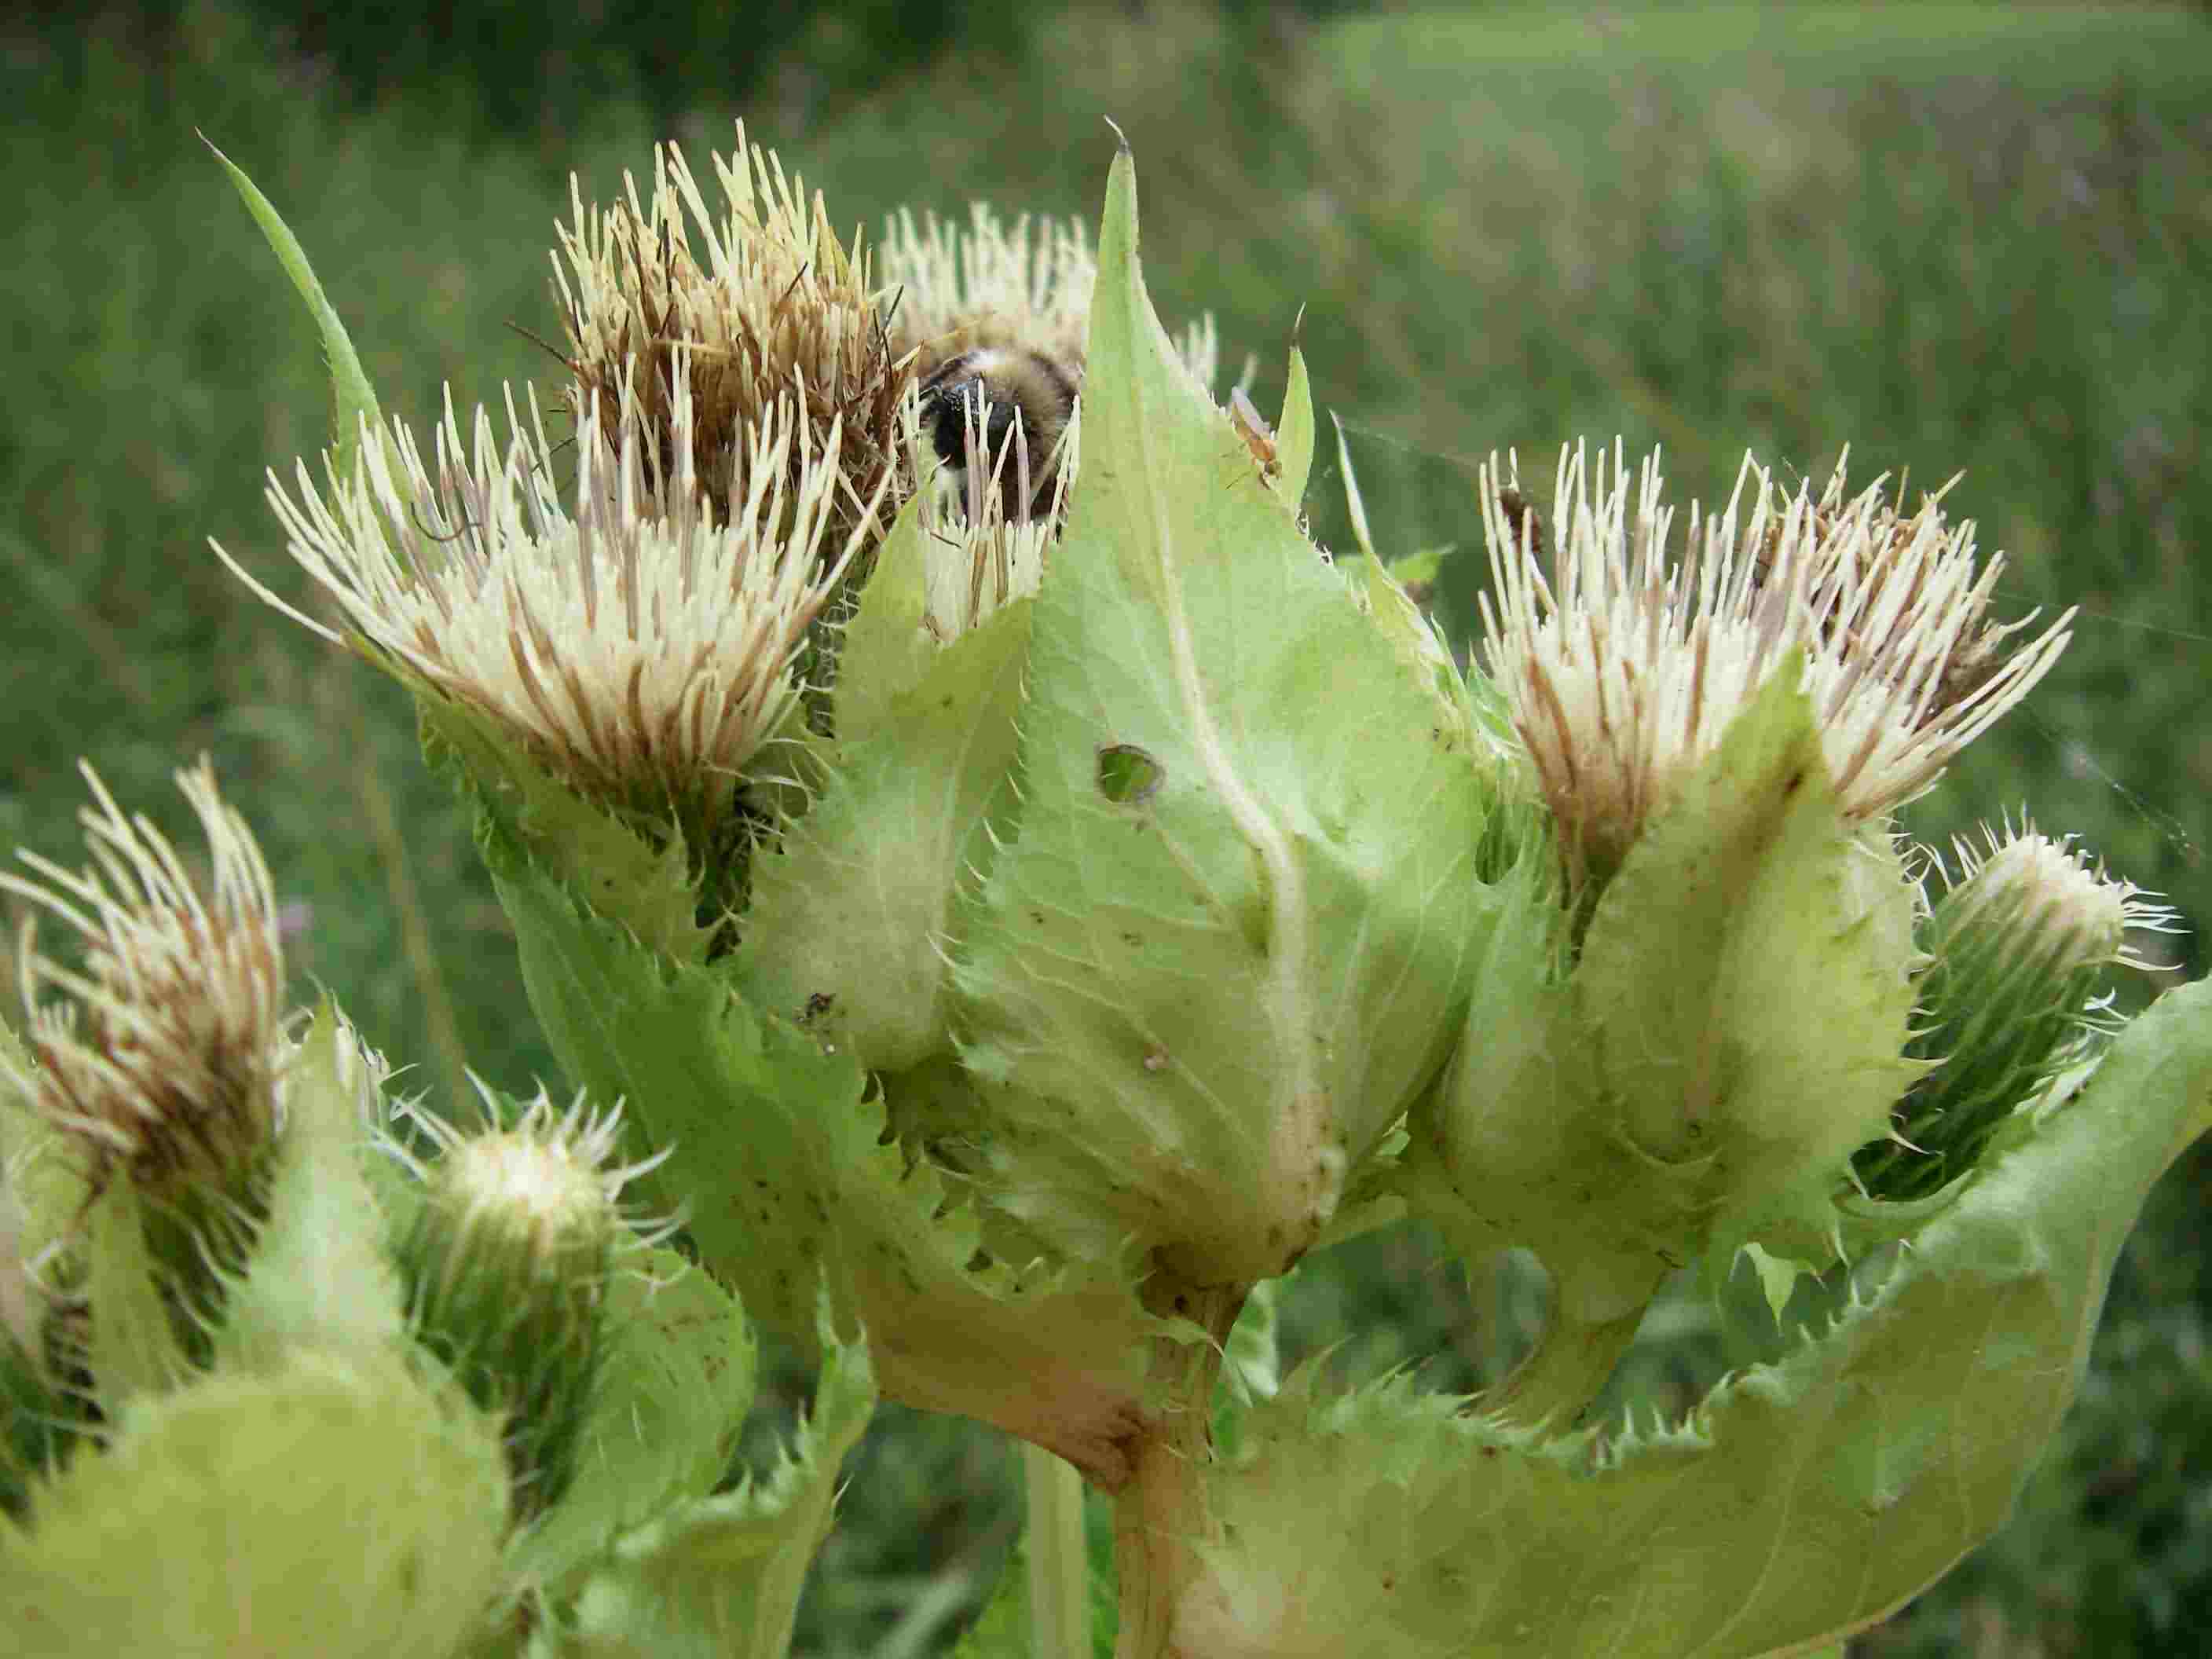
{"points": [[993, 950]]}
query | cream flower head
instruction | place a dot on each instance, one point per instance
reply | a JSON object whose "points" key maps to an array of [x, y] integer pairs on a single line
{"points": [[950, 288], [1623, 668], [164, 1053], [760, 308], [643, 649]]}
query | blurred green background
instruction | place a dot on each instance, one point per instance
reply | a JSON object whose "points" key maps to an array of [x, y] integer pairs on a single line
{"points": [[1956, 237]]}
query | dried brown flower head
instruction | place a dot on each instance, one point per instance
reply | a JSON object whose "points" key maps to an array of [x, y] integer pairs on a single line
{"points": [[760, 307]]}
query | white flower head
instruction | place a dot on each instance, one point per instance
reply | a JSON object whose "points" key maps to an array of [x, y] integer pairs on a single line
{"points": [[643, 649], [952, 288], [506, 1265], [163, 1053], [991, 284], [1623, 668]]}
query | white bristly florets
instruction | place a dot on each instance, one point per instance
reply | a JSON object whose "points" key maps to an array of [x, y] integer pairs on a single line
{"points": [[547, 1161], [992, 283], [978, 555], [2059, 905], [163, 1053], [1624, 668], [644, 657], [1027, 284]]}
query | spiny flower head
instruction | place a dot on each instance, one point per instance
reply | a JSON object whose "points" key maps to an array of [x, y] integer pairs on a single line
{"points": [[162, 1056], [2063, 909], [506, 1265], [2017, 949], [544, 1179], [643, 651], [662, 302], [1026, 284], [1623, 668]]}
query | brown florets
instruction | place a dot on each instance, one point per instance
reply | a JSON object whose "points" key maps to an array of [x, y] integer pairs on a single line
{"points": [[1624, 668], [163, 1056], [764, 306]]}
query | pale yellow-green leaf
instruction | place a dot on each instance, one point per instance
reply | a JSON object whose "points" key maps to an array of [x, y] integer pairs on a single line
{"points": [[353, 398], [849, 926], [1294, 434], [1227, 944], [719, 1579], [672, 1392], [1803, 1502], [328, 1508]]}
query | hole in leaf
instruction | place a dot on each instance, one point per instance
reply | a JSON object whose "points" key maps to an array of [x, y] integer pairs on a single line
{"points": [[1128, 776]]}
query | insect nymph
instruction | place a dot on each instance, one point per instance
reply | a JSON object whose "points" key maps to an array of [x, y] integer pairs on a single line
{"points": [[1017, 401]]}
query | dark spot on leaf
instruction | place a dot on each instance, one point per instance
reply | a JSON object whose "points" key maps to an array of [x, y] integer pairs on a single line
{"points": [[1128, 776]]}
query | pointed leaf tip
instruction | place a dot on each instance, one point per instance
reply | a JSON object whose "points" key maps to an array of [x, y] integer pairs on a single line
{"points": [[1294, 431], [353, 397]]}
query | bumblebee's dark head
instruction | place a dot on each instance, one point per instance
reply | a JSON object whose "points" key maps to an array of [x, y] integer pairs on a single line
{"points": [[950, 400], [1012, 381]]}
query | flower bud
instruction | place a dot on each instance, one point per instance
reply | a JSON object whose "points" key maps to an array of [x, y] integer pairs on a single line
{"points": [[506, 1266], [2019, 945]]}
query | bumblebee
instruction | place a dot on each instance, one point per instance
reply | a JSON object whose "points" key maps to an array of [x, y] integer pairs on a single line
{"points": [[1008, 381]]}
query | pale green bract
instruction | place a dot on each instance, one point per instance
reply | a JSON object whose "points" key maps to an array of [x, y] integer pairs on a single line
{"points": [[1195, 1007]]}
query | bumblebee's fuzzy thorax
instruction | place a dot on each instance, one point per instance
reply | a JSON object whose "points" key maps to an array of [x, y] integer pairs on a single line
{"points": [[982, 391]]}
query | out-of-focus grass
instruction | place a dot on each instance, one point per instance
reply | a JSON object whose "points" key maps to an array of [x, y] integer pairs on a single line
{"points": [[1958, 237]]}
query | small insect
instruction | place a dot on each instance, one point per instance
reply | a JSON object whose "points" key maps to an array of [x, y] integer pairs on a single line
{"points": [[1523, 520], [1009, 381], [1253, 429]]}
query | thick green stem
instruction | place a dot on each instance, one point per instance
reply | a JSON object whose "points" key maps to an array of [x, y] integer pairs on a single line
{"points": [[1059, 1563], [1160, 1516]]}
